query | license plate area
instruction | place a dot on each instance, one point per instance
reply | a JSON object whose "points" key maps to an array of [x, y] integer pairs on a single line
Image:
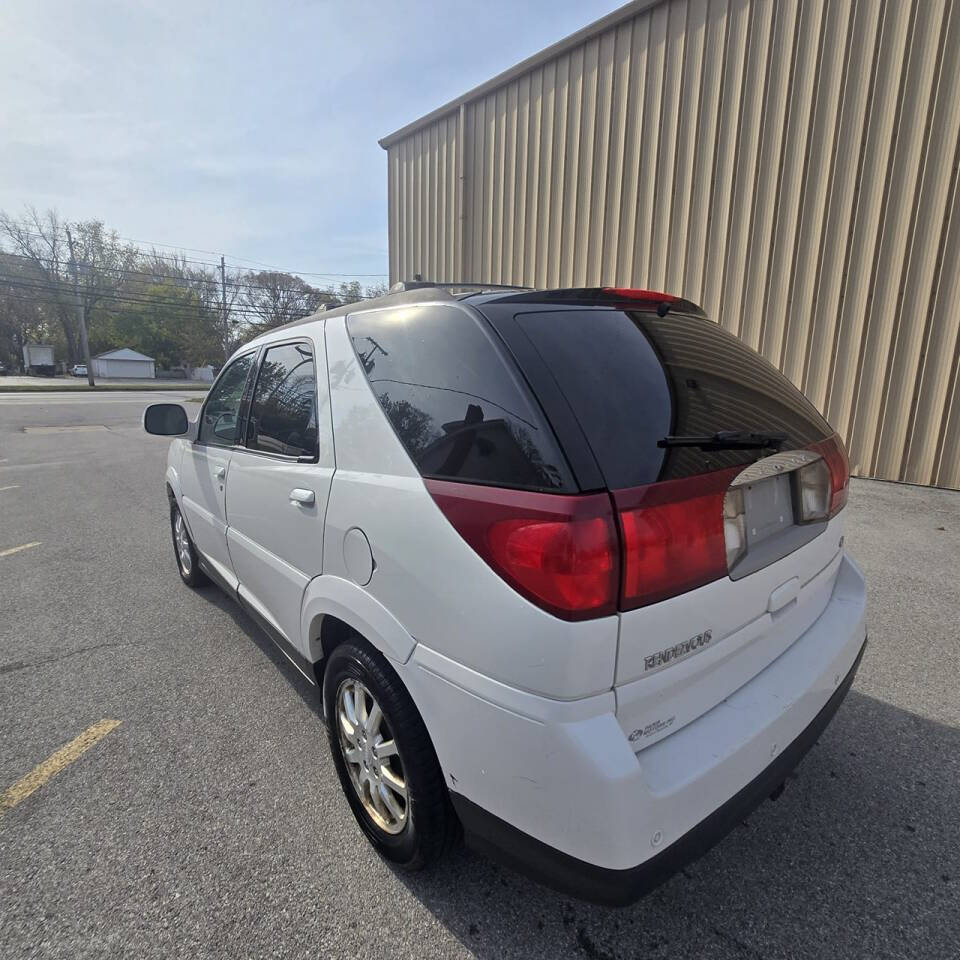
{"points": [[768, 505], [770, 496]]}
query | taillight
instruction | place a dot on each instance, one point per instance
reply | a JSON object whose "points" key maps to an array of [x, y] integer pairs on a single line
{"points": [[814, 492], [565, 555], [648, 296], [834, 454], [673, 536], [734, 526], [561, 552]]}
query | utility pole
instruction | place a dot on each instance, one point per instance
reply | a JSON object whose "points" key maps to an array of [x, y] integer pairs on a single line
{"points": [[223, 308], [81, 311]]}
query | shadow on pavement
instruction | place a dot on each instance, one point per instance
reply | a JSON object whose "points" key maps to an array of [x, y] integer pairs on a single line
{"points": [[859, 857], [308, 693]]}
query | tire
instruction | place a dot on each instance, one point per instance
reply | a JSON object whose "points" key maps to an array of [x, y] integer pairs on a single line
{"points": [[429, 826], [187, 562]]}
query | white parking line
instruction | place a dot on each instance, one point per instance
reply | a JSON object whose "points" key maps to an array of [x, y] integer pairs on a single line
{"points": [[23, 546], [13, 486]]}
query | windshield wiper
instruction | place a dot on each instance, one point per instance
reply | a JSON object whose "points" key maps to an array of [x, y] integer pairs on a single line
{"points": [[727, 440]]}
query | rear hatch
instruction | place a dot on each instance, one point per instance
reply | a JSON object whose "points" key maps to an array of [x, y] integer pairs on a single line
{"points": [[725, 481]]}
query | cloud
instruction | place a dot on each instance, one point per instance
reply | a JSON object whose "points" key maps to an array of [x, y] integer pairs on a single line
{"points": [[250, 127]]}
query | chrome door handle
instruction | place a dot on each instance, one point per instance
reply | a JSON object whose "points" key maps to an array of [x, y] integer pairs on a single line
{"points": [[221, 472], [299, 495]]}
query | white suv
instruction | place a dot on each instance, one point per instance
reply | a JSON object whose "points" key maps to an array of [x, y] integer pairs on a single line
{"points": [[568, 566]]}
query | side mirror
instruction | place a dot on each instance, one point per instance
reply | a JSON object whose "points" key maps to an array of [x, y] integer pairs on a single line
{"points": [[165, 420]]}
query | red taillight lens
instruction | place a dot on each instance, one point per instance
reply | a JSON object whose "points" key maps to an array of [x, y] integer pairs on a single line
{"points": [[560, 552], [835, 454], [564, 553], [673, 537], [628, 293], [569, 564]]}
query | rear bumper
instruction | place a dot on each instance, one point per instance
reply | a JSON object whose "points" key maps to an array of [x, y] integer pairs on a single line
{"points": [[490, 835]]}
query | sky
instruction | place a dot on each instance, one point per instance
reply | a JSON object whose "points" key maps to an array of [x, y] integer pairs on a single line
{"points": [[247, 128]]}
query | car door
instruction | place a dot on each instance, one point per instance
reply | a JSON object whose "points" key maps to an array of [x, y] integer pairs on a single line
{"points": [[279, 484], [203, 471]]}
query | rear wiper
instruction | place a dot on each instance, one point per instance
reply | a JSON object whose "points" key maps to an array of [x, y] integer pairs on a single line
{"points": [[727, 440]]}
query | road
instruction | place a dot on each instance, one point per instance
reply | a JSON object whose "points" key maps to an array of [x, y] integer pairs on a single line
{"points": [[56, 384], [209, 821]]}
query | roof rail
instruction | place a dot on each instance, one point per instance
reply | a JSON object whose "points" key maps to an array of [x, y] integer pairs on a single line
{"points": [[401, 285]]}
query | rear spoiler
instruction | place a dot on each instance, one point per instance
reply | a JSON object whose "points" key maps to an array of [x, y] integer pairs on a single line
{"points": [[626, 297]]}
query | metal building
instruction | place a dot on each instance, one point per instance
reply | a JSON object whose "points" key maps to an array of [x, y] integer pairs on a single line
{"points": [[789, 164]]}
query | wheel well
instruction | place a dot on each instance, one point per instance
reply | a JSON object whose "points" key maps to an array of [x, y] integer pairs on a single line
{"points": [[333, 632]]}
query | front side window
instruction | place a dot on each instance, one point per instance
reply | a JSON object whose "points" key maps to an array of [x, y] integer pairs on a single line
{"points": [[458, 406], [283, 415], [221, 413]]}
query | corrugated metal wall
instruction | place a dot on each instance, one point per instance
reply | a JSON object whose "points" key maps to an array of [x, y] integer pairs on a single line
{"points": [[790, 165]]}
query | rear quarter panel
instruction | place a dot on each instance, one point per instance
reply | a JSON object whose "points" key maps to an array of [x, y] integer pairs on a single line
{"points": [[445, 596]]}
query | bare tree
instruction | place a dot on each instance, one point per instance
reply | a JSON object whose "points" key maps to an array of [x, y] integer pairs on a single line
{"points": [[23, 316], [272, 299], [41, 241], [74, 280]]}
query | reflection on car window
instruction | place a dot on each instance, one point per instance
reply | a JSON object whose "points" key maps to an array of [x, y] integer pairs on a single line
{"points": [[633, 377], [283, 415], [458, 408], [221, 412]]}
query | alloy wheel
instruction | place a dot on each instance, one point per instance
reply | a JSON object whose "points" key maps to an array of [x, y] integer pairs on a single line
{"points": [[182, 542], [371, 756]]}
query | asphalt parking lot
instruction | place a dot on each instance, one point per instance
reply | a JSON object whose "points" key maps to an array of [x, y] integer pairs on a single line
{"points": [[209, 821]]}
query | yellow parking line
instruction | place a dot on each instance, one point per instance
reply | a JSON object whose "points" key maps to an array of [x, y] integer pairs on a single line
{"points": [[13, 486], [50, 767], [23, 546]]}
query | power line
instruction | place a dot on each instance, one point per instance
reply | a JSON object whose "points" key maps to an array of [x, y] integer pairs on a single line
{"points": [[30, 296], [58, 285], [131, 275], [154, 243], [56, 294], [58, 289]]}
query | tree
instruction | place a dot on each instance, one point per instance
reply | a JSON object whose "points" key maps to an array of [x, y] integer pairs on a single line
{"points": [[219, 299], [41, 243], [272, 298], [24, 317], [77, 265], [377, 290], [168, 321], [351, 292]]}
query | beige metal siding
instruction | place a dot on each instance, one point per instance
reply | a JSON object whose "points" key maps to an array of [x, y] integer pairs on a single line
{"points": [[790, 164]]}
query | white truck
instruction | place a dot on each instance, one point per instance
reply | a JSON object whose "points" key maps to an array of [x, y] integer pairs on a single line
{"points": [[38, 359]]}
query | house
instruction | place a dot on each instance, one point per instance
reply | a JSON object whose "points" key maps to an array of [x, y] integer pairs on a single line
{"points": [[124, 363]]}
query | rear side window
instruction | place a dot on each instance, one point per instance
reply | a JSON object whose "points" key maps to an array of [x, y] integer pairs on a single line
{"points": [[458, 406], [283, 414], [633, 378]]}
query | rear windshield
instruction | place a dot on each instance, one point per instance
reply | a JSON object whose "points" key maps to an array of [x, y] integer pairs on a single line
{"points": [[458, 405], [634, 378]]}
